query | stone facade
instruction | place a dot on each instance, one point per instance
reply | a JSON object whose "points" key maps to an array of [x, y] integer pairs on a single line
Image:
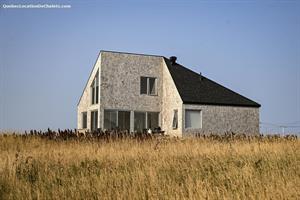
{"points": [[119, 89], [222, 119], [171, 101], [85, 104], [120, 83]]}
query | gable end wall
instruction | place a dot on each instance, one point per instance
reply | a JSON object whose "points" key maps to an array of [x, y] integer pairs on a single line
{"points": [[84, 104]]}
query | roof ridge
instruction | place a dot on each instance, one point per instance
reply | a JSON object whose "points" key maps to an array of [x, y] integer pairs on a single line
{"points": [[138, 54]]}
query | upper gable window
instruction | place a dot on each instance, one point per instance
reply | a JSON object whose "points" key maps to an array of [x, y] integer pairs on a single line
{"points": [[148, 86], [95, 90]]}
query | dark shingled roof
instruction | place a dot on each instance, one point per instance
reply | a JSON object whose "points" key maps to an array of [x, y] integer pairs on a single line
{"points": [[197, 89]]}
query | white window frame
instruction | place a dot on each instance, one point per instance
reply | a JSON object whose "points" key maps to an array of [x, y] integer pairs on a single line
{"points": [[148, 85], [117, 115], [191, 128]]}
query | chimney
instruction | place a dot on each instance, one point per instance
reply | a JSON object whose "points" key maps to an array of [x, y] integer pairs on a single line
{"points": [[200, 76], [173, 59]]}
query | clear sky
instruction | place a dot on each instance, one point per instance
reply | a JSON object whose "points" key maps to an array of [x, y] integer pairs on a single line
{"points": [[46, 55]]}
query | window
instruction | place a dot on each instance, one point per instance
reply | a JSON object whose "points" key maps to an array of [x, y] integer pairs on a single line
{"points": [[152, 120], [148, 86], [124, 120], [152, 86], [175, 119], [95, 89], [139, 121], [84, 120], [193, 119], [144, 85], [94, 120], [116, 119], [110, 119]]}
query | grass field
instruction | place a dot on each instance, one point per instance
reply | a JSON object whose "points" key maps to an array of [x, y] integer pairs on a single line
{"points": [[36, 168]]}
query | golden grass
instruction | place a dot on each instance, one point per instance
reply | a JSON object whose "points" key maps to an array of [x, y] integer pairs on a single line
{"points": [[35, 168]]}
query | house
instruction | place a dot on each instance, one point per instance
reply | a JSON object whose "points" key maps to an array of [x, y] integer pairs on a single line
{"points": [[135, 92]]}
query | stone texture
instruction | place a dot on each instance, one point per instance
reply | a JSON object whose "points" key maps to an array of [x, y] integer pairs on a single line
{"points": [[119, 83], [222, 119], [85, 104], [171, 101]]}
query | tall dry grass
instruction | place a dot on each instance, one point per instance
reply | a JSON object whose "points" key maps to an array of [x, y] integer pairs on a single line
{"points": [[35, 168]]}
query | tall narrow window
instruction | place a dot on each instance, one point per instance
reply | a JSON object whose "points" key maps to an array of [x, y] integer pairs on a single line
{"points": [[94, 120], [175, 119], [139, 121], [152, 86], [143, 85], [110, 119], [95, 89], [84, 120], [124, 120], [148, 86], [193, 119], [152, 120]]}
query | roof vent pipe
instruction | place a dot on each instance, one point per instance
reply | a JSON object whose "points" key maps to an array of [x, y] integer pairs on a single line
{"points": [[173, 59]]}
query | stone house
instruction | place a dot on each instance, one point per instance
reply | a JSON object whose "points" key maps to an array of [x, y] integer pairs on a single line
{"points": [[135, 92]]}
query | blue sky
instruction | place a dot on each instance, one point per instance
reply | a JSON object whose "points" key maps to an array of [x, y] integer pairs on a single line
{"points": [[46, 55]]}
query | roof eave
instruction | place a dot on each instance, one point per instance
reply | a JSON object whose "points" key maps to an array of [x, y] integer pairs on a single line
{"points": [[222, 104]]}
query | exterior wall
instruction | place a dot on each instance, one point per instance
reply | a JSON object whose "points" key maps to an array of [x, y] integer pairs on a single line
{"points": [[120, 82], [171, 101], [119, 89], [84, 104], [222, 119]]}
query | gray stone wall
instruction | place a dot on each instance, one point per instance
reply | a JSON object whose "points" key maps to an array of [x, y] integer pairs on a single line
{"points": [[171, 101], [222, 119], [120, 82]]}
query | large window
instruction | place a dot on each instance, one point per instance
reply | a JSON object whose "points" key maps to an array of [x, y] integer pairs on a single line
{"points": [[84, 120], [152, 120], [148, 86], [116, 119], [193, 119], [175, 119], [94, 120], [110, 119], [95, 89], [124, 120], [139, 121], [121, 119], [145, 120]]}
